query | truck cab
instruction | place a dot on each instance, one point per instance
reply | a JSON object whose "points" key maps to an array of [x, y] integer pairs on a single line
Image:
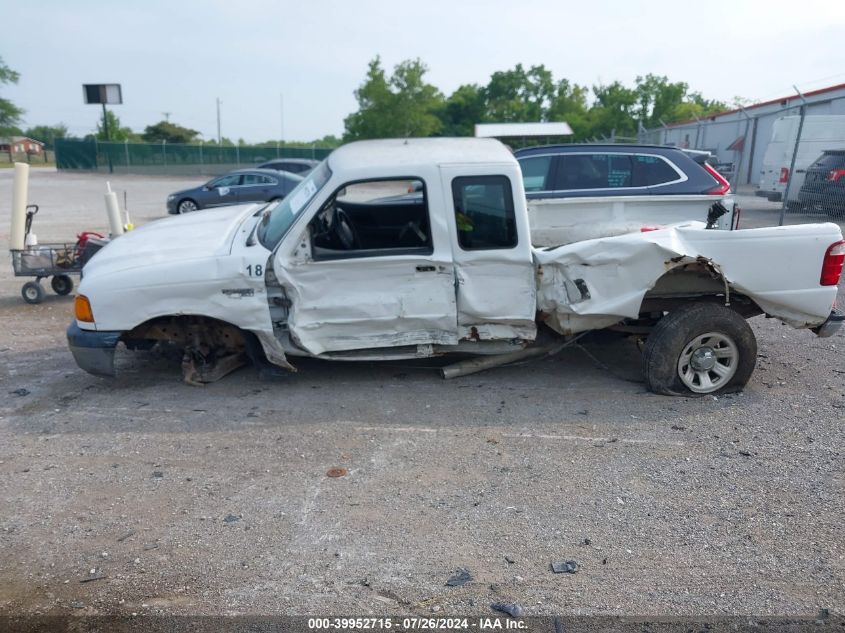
{"points": [[449, 261]]}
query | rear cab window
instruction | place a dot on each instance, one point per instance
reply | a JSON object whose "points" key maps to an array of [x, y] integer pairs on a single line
{"points": [[484, 213]]}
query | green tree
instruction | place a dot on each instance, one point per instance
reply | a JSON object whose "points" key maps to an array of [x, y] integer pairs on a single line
{"points": [[657, 98], [570, 105], [613, 110], [10, 114], [398, 106], [519, 95], [116, 131], [462, 110], [224, 142], [170, 132], [696, 106], [47, 134]]}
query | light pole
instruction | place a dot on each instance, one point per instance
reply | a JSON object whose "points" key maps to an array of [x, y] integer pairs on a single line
{"points": [[219, 141]]}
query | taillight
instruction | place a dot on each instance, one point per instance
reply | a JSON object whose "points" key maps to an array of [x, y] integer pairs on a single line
{"points": [[832, 264], [720, 189], [835, 174], [784, 175]]}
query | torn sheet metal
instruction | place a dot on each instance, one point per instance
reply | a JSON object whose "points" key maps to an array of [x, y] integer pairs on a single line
{"points": [[777, 267]]}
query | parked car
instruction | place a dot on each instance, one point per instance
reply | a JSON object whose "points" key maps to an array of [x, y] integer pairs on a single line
{"points": [[557, 171], [299, 166], [580, 192], [824, 185], [242, 185]]}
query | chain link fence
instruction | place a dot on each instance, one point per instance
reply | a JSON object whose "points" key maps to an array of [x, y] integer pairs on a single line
{"points": [[790, 150], [170, 158]]}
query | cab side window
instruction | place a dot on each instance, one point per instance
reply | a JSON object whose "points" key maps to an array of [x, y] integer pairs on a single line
{"points": [[373, 219], [484, 213]]}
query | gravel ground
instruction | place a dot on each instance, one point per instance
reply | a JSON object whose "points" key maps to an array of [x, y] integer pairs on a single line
{"points": [[143, 495]]}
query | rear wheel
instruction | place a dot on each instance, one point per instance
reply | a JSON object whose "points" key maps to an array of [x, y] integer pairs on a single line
{"points": [[186, 206], [32, 292], [61, 284], [699, 349]]}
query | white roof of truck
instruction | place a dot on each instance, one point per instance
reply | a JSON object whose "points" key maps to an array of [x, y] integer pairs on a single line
{"points": [[409, 152]]}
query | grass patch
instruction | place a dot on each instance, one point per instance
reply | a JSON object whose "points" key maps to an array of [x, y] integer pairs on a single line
{"points": [[7, 165]]}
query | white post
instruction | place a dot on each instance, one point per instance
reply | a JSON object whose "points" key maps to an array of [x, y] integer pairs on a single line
{"points": [[19, 199], [113, 212]]}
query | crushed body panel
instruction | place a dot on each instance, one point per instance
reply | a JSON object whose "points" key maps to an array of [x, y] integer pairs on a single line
{"points": [[771, 266]]}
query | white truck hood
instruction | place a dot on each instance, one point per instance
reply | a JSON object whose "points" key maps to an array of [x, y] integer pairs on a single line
{"points": [[202, 234]]}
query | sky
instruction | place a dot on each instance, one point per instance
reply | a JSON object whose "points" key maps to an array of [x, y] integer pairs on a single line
{"points": [[289, 70]]}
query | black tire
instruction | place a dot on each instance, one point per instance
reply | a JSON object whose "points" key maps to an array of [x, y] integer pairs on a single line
{"points": [[186, 206], [61, 284], [32, 292], [680, 331]]}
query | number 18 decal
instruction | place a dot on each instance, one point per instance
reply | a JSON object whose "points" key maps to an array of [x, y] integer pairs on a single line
{"points": [[255, 270]]}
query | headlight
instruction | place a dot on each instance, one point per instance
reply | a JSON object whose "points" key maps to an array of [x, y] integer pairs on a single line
{"points": [[171, 198]]}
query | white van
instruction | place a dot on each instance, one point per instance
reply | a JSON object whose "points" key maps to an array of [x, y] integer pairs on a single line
{"points": [[820, 132]]}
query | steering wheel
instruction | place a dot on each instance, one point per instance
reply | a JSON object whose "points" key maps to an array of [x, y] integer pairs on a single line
{"points": [[345, 231], [412, 230]]}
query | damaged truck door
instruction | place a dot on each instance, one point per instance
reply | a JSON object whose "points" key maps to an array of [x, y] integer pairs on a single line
{"points": [[370, 270]]}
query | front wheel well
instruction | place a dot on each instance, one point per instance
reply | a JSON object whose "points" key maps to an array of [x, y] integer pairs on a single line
{"points": [[208, 344]]}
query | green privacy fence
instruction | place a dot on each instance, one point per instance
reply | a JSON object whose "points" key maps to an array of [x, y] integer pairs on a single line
{"points": [[170, 158]]}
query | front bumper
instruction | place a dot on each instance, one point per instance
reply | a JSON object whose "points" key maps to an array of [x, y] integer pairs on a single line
{"points": [[171, 207], [93, 351], [831, 325]]}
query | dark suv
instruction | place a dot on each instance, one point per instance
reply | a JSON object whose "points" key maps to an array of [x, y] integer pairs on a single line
{"points": [[824, 185], [567, 171]]}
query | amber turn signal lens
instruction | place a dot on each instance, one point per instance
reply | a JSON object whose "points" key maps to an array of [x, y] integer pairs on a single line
{"points": [[82, 309]]}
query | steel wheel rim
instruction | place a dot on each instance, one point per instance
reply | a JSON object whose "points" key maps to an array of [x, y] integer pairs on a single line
{"points": [[187, 207], [708, 362], [31, 293]]}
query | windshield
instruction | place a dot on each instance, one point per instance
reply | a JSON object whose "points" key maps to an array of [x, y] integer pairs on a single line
{"points": [[279, 218]]}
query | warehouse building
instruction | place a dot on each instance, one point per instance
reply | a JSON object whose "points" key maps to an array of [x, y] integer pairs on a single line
{"points": [[739, 137]]}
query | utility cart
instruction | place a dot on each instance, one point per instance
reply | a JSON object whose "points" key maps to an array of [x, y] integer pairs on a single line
{"points": [[57, 260]]}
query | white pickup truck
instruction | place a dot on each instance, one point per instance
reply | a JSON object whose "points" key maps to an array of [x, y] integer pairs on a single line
{"points": [[350, 266]]}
